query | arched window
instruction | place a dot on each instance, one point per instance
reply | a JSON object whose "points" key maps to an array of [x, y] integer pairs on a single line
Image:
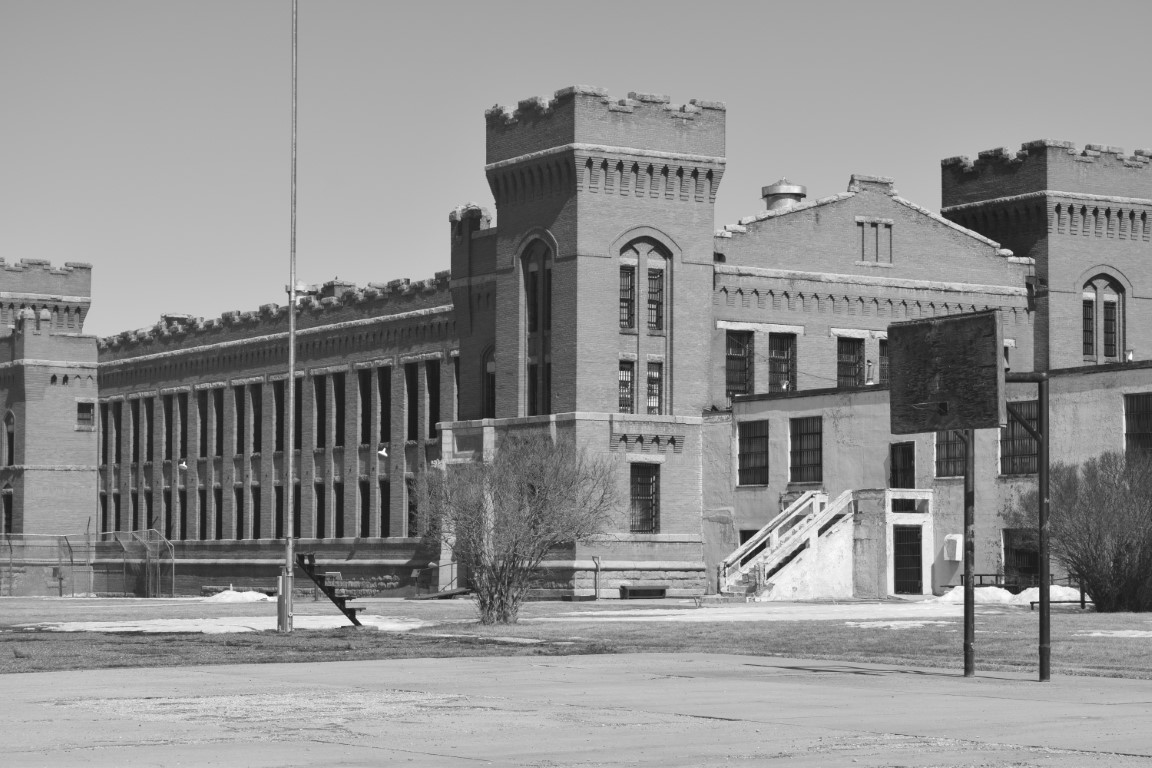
{"points": [[645, 289], [536, 265], [10, 440], [488, 384], [1102, 320]]}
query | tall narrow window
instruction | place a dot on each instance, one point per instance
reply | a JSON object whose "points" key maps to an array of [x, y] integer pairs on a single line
{"points": [[1138, 423], [532, 298], [413, 508], [753, 453], [806, 454], [365, 497], [169, 426], [320, 411], [241, 424], [488, 378], [432, 380], [884, 361], [238, 506], [849, 362], [546, 299], [149, 428], [203, 519], [256, 532], [655, 299], [532, 373], [1018, 449], [628, 297], [117, 430], [338, 385], [218, 505], [278, 413], [385, 508], [182, 408], [10, 442], [279, 513], [134, 409], [318, 496], [655, 388], [1089, 325], [1110, 327], [412, 393], [738, 366], [951, 454], [218, 421], [364, 381], [297, 511], [781, 362], [202, 419], [384, 387], [627, 386], [645, 493]]}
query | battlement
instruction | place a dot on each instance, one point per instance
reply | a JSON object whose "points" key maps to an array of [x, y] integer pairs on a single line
{"points": [[583, 114], [37, 277], [1046, 165], [332, 302]]}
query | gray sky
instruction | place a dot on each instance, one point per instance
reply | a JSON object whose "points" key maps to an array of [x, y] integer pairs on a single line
{"points": [[152, 138]]}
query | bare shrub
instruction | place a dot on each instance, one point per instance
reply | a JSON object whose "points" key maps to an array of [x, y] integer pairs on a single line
{"points": [[1100, 527], [501, 517]]}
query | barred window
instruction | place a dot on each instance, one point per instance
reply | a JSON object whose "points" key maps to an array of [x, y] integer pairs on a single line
{"points": [[655, 299], [849, 362], [1109, 328], [781, 362], [1089, 328], [883, 361], [532, 299], [951, 454], [627, 386], [753, 453], [806, 454], [85, 414], [1018, 450], [655, 387], [645, 489], [1138, 423], [738, 364], [533, 374], [628, 297]]}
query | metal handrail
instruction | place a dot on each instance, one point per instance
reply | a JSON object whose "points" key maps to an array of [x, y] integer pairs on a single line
{"points": [[764, 533]]}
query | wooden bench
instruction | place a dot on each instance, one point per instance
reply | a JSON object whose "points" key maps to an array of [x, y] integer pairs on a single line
{"points": [[650, 592]]}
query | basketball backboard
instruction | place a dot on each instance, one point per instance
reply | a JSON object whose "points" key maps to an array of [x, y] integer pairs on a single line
{"points": [[946, 373]]}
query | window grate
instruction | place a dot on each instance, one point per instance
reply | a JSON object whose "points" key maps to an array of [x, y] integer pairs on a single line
{"points": [[1138, 423], [951, 454], [806, 454], [1089, 328], [655, 299], [627, 386], [645, 494], [628, 297], [1110, 329], [655, 388], [781, 362], [1018, 450], [753, 453], [738, 364], [883, 361], [849, 362]]}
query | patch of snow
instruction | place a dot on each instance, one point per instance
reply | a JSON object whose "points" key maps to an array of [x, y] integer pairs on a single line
{"points": [[230, 596], [222, 625], [1115, 633], [906, 624], [998, 596]]}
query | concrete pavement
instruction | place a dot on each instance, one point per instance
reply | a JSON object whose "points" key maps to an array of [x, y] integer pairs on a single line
{"points": [[636, 710]]}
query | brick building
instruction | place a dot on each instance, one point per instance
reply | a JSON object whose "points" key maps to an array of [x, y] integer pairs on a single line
{"points": [[737, 377]]}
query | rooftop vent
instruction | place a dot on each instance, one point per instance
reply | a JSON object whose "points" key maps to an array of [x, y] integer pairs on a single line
{"points": [[783, 195]]}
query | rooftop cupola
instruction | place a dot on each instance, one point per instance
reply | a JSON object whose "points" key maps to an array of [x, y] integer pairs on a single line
{"points": [[783, 195]]}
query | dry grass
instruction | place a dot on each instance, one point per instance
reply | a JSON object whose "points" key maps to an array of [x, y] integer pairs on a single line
{"points": [[1006, 638]]}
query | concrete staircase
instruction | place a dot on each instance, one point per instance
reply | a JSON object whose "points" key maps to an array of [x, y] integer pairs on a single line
{"points": [[786, 542]]}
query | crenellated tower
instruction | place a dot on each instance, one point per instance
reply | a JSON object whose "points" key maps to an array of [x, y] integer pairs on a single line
{"points": [[1083, 214], [602, 258]]}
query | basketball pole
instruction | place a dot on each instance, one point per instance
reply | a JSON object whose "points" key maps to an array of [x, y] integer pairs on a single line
{"points": [[1041, 436], [969, 551]]}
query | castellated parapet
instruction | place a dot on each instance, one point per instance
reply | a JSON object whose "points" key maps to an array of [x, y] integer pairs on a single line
{"points": [[329, 304], [1046, 165], [583, 114]]}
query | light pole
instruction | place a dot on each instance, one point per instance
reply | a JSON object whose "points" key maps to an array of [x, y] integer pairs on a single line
{"points": [[284, 603]]}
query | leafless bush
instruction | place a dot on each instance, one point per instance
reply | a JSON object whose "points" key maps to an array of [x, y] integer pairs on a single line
{"points": [[501, 517], [1100, 527]]}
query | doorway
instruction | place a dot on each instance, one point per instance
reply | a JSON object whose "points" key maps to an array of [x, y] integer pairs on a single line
{"points": [[907, 560]]}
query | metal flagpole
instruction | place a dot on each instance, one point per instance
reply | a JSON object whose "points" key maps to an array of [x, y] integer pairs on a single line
{"points": [[284, 612], [969, 552]]}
